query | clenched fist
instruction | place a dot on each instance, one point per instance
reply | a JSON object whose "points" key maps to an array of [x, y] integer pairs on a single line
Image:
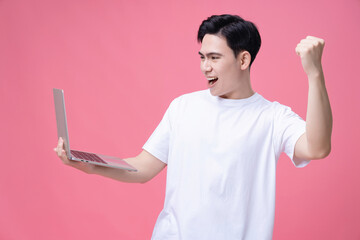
{"points": [[310, 51]]}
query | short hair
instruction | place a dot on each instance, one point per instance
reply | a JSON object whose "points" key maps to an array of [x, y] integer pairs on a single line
{"points": [[239, 34]]}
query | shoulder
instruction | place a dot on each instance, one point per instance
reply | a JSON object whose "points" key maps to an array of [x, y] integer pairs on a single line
{"points": [[281, 110], [187, 103], [264, 104], [276, 111], [283, 114], [189, 98], [274, 105], [193, 95]]}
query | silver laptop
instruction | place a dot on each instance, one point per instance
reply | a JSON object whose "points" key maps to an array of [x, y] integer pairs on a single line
{"points": [[98, 159]]}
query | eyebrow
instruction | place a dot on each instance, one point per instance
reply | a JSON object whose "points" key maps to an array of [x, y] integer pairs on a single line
{"points": [[211, 53]]}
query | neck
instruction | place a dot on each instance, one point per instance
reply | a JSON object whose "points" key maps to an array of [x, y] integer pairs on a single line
{"points": [[243, 88], [245, 85]]}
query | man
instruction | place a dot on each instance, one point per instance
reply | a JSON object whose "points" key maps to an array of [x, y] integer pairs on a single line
{"points": [[221, 145]]}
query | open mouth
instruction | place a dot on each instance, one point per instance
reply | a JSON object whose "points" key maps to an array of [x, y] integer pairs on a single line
{"points": [[212, 81]]}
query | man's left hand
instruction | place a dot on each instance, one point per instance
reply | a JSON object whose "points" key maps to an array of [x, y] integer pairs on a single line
{"points": [[310, 51]]}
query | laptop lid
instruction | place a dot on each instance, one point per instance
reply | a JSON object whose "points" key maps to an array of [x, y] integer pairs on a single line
{"points": [[61, 122], [106, 161]]}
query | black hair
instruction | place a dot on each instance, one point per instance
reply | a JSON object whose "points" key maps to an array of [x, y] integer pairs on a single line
{"points": [[239, 34]]}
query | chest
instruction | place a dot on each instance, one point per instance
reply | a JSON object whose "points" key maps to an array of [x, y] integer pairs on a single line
{"points": [[224, 130]]}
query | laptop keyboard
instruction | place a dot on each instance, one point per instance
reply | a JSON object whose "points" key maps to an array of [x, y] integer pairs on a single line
{"points": [[87, 156]]}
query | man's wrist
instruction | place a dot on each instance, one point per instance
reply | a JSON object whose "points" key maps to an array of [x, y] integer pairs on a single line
{"points": [[317, 76]]}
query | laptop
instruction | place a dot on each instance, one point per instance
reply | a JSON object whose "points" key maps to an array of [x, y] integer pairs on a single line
{"points": [[93, 158]]}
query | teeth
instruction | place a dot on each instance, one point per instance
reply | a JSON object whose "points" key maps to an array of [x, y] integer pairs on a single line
{"points": [[210, 79]]}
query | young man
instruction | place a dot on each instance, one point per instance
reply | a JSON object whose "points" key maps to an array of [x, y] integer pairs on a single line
{"points": [[221, 145]]}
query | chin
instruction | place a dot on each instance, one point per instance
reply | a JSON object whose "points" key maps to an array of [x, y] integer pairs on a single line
{"points": [[217, 94], [214, 92]]}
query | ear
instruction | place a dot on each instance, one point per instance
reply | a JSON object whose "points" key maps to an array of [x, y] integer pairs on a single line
{"points": [[244, 59]]}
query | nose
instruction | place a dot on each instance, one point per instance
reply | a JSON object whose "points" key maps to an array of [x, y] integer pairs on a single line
{"points": [[206, 66]]}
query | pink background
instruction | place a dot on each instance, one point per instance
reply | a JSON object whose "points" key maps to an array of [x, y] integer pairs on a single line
{"points": [[120, 64]]}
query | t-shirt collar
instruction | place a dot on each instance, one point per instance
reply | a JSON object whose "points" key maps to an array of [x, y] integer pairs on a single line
{"points": [[234, 102]]}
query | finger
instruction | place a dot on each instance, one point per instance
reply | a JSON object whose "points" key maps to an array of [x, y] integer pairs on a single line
{"points": [[314, 41], [305, 40], [56, 151], [314, 38], [64, 157], [305, 45], [300, 49], [60, 143], [309, 42], [59, 151]]}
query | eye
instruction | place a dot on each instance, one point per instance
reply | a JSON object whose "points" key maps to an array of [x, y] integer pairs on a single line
{"points": [[214, 57], [202, 57]]}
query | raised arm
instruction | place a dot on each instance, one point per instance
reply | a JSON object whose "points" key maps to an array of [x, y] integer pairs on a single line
{"points": [[147, 165], [316, 142]]}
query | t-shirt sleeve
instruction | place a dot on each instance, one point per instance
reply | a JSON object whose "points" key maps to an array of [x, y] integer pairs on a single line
{"points": [[288, 129], [159, 141]]}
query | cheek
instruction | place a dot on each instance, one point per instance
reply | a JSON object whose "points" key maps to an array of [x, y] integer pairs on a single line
{"points": [[202, 67], [222, 70], [228, 70]]}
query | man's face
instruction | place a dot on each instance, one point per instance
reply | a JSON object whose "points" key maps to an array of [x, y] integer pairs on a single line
{"points": [[220, 67]]}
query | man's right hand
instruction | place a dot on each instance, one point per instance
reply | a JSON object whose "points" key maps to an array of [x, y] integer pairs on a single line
{"points": [[147, 165], [60, 151]]}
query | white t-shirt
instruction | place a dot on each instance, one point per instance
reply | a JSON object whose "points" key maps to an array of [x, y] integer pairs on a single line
{"points": [[221, 157]]}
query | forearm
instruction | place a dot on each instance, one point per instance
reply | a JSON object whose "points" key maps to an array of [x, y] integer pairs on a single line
{"points": [[120, 174], [318, 117], [147, 165]]}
